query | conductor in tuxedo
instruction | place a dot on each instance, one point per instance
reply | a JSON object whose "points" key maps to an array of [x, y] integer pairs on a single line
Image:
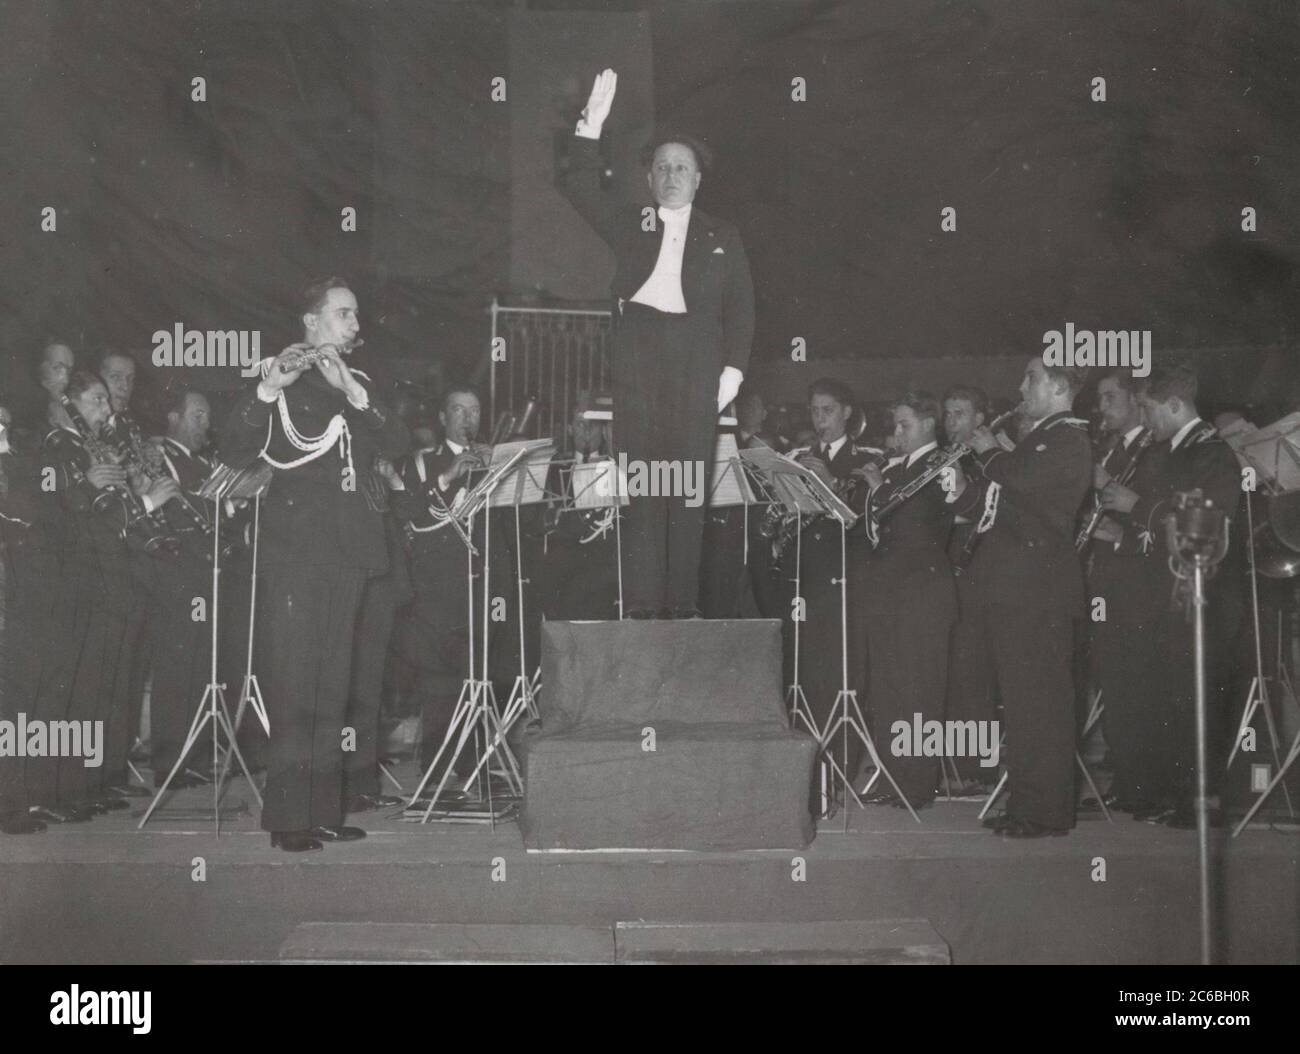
{"points": [[683, 323], [320, 427]]}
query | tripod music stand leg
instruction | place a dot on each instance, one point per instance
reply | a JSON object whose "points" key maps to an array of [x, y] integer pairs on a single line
{"points": [[997, 790], [390, 777], [1093, 787], [202, 715], [1292, 754], [468, 695]]}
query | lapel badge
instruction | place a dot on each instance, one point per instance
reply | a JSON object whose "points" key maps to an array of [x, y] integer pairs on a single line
{"points": [[1041, 447]]}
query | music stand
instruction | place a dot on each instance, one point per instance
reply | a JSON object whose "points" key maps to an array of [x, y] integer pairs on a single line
{"points": [[814, 497], [1273, 454], [227, 484], [526, 487], [212, 707], [477, 709], [762, 466]]}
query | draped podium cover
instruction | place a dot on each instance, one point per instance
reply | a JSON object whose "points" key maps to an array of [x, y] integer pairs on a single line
{"points": [[725, 772]]}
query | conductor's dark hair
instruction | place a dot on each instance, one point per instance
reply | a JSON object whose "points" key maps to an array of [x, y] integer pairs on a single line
{"points": [[82, 381], [703, 155], [1177, 380], [968, 393], [836, 389], [923, 404], [312, 298]]}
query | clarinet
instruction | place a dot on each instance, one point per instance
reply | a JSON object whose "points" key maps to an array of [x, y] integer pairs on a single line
{"points": [[1123, 479], [938, 463]]}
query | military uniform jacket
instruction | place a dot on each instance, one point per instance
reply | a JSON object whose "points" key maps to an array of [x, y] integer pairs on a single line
{"points": [[1203, 461], [716, 283], [309, 514], [824, 531], [913, 538], [1027, 557]]}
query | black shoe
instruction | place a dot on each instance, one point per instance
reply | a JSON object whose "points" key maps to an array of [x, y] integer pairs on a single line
{"points": [[338, 834], [128, 790], [1028, 829], [20, 823], [294, 841], [60, 814], [686, 613], [885, 797], [366, 802], [998, 821]]}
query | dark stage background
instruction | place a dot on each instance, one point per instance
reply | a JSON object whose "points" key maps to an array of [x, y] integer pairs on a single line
{"points": [[1123, 214]]}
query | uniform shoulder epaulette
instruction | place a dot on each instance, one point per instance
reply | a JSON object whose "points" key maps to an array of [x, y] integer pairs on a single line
{"points": [[1203, 433], [869, 450], [1074, 422]]}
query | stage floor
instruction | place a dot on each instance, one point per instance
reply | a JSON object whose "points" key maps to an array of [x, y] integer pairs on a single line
{"points": [[105, 892]]}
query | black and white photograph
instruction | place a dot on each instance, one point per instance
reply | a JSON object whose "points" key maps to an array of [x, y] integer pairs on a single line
{"points": [[737, 482]]}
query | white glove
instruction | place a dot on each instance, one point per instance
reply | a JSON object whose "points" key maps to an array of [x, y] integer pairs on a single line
{"points": [[728, 385], [598, 105]]}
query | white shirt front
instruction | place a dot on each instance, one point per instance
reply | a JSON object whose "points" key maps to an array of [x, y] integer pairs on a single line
{"points": [[663, 289]]}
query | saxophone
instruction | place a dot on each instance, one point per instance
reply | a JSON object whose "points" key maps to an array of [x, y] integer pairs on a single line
{"points": [[140, 527], [140, 457]]}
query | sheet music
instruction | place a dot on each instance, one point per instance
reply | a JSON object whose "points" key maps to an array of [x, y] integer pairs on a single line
{"points": [[730, 485], [525, 484], [594, 484], [1273, 451], [796, 487]]}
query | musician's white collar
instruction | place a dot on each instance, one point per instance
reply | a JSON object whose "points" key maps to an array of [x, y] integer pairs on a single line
{"points": [[455, 447], [921, 452], [1181, 434], [832, 448], [1131, 435]]}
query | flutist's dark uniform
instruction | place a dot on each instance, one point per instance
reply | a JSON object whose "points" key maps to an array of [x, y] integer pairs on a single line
{"points": [[666, 368], [911, 605], [320, 539], [1027, 586]]}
